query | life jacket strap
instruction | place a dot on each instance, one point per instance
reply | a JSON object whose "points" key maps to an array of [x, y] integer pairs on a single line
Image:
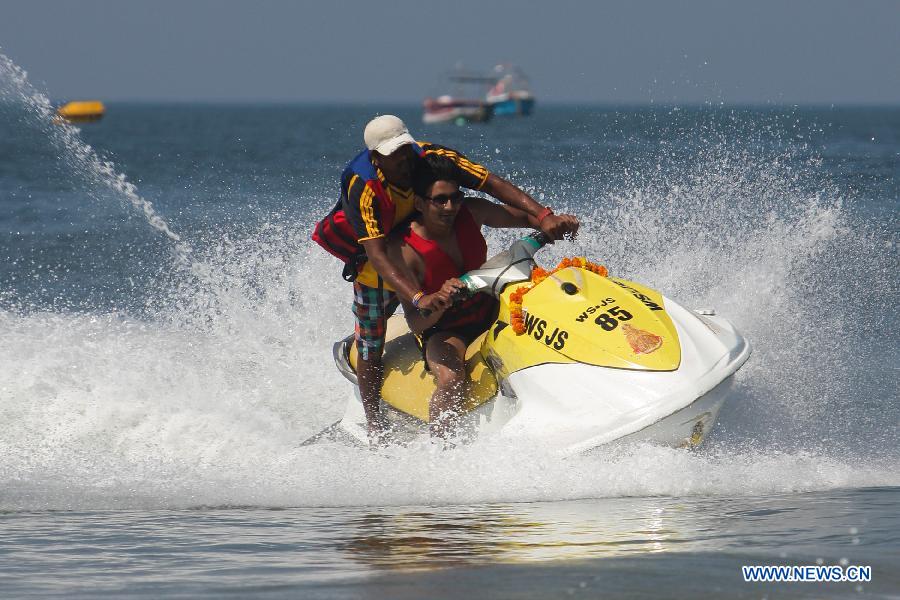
{"points": [[352, 267]]}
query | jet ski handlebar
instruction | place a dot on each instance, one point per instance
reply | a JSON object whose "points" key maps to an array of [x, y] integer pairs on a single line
{"points": [[510, 266]]}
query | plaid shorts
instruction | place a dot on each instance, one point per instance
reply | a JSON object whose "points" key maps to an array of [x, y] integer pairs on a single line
{"points": [[372, 308]]}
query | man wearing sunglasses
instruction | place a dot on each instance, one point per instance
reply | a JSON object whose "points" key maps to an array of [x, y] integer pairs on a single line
{"points": [[442, 242], [377, 196]]}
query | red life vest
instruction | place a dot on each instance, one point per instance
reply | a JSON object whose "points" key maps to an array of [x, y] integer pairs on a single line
{"points": [[335, 233], [439, 267]]}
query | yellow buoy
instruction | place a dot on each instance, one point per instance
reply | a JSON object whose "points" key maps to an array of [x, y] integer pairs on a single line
{"points": [[81, 111]]}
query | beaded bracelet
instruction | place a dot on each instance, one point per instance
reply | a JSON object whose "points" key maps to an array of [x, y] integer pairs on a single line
{"points": [[417, 297], [544, 214]]}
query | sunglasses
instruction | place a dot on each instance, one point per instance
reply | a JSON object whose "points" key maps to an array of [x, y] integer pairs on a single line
{"points": [[442, 199]]}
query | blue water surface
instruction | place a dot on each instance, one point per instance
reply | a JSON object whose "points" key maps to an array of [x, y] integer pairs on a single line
{"points": [[153, 404]]}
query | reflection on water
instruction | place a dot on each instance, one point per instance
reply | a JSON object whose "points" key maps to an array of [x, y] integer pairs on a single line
{"points": [[211, 551], [516, 533], [522, 533]]}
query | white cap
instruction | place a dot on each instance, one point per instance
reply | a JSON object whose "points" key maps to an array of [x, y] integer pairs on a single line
{"points": [[386, 133]]}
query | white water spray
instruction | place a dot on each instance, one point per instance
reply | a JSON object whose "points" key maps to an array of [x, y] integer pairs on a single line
{"points": [[80, 156], [206, 401]]}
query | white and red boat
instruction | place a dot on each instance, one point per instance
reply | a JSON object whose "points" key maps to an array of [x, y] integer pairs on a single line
{"points": [[447, 109]]}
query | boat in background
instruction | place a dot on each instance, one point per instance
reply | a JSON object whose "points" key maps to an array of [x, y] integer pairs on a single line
{"points": [[511, 92], [475, 97], [447, 109], [81, 111], [460, 99]]}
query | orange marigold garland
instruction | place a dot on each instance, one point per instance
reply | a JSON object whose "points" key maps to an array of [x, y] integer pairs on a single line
{"points": [[516, 318], [516, 313], [538, 275]]}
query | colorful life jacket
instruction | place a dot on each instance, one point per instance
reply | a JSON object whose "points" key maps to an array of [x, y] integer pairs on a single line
{"points": [[439, 267], [335, 233]]}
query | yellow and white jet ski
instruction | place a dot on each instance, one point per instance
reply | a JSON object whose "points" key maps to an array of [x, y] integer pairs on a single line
{"points": [[578, 361]]}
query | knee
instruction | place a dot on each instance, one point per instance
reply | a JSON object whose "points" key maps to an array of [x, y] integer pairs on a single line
{"points": [[369, 352], [450, 378]]}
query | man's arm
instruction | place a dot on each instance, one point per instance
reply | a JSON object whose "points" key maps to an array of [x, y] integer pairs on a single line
{"points": [[418, 321], [399, 276], [492, 214], [363, 211], [394, 272], [556, 226], [477, 177]]}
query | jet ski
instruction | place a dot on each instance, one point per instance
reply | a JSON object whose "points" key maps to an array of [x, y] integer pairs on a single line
{"points": [[576, 359]]}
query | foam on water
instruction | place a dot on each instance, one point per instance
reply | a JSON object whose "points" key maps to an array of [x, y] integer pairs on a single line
{"points": [[205, 402]]}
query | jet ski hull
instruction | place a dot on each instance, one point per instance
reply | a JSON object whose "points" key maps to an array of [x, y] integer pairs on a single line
{"points": [[576, 407], [582, 360]]}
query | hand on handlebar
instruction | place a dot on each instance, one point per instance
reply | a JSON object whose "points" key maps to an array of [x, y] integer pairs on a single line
{"points": [[557, 226], [443, 298]]}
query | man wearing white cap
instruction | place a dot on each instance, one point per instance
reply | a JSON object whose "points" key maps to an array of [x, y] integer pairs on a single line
{"points": [[376, 196]]}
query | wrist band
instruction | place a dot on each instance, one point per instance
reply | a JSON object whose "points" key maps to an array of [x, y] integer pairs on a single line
{"points": [[417, 297], [544, 214]]}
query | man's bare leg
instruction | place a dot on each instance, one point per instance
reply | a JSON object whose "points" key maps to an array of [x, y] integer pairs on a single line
{"points": [[446, 359], [370, 375]]}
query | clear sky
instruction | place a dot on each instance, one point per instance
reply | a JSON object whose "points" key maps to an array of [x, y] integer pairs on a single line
{"points": [[753, 51]]}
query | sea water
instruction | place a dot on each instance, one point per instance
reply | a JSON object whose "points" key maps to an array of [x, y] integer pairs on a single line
{"points": [[165, 344]]}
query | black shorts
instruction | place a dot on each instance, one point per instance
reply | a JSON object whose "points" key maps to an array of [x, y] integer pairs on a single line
{"points": [[469, 333]]}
